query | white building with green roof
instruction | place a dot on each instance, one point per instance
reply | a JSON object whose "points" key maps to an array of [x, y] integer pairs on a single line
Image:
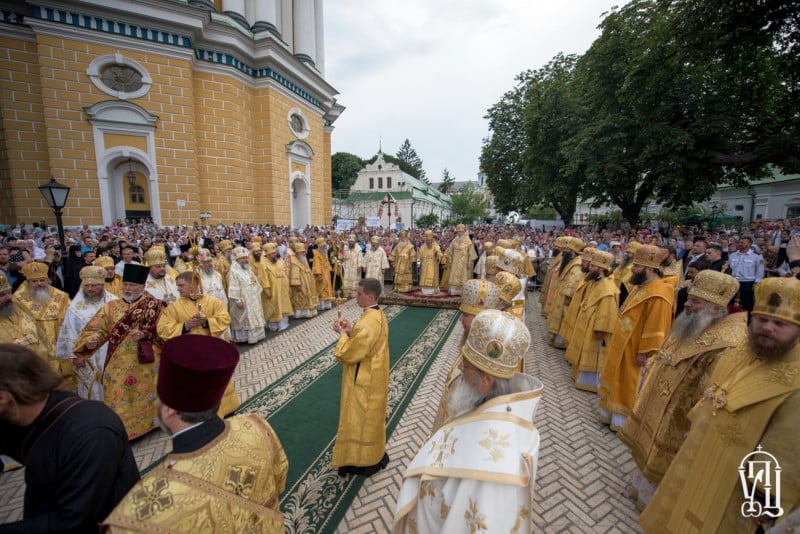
{"points": [[384, 191]]}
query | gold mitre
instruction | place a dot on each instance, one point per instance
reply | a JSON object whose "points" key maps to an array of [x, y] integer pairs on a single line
{"points": [[93, 274], [204, 255], [505, 243], [34, 271], [650, 256], [491, 264], [461, 228], [560, 242], [375, 239], [497, 341], [586, 255], [602, 259], [488, 245], [428, 233], [155, 256], [4, 285], [104, 261], [778, 298], [270, 248], [320, 241], [573, 243], [239, 253], [479, 295], [403, 233], [255, 247], [714, 287], [256, 239], [225, 245], [299, 247], [509, 286], [632, 247], [509, 260]]}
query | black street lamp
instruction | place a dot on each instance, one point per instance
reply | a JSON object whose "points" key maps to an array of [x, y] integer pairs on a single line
{"points": [[56, 196]]}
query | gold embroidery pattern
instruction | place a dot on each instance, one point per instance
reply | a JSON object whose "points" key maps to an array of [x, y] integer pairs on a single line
{"points": [[149, 499], [664, 388], [783, 374], [730, 433], [495, 443], [444, 511], [475, 519], [426, 489], [444, 448], [240, 480], [523, 514]]}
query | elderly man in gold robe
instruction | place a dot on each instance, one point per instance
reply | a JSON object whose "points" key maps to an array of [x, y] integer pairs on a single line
{"points": [[363, 352], [375, 263], [129, 373], [594, 322], [644, 322], [210, 278], [569, 276], [677, 376], [430, 257], [322, 271], [244, 301], [353, 257], [461, 258], [301, 281], [279, 298], [16, 326], [221, 475], [402, 259], [572, 309], [47, 306], [198, 314], [725, 476]]}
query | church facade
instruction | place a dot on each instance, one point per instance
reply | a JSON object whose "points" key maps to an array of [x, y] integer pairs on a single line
{"points": [[166, 109]]}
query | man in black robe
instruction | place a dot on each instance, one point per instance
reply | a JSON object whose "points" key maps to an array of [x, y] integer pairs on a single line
{"points": [[78, 461]]}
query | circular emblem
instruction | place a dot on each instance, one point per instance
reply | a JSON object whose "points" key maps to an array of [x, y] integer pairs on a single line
{"points": [[494, 349]]}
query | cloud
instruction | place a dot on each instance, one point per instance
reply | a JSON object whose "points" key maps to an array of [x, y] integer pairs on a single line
{"points": [[428, 71]]}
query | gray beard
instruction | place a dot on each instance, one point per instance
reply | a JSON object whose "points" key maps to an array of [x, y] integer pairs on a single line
{"points": [[245, 267], [94, 299], [209, 271], [40, 295], [8, 309], [462, 399], [687, 327], [134, 298]]}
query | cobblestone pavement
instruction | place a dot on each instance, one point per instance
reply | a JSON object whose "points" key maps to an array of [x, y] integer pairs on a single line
{"points": [[583, 471]]}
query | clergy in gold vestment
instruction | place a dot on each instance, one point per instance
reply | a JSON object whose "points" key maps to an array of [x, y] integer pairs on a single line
{"points": [[353, 257], [402, 259], [622, 272], [47, 306], [375, 263], [258, 268], [113, 281], [477, 472], [244, 301], [129, 373], [751, 405], [642, 327], [301, 281], [16, 326], [322, 271], [430, 258], [363, 351], [676, 377], [223, 261], [221, 476], [550, 285], [279, 300], [461, 258], [160, 283], [594, 323], [574, 302], [569, 276]]}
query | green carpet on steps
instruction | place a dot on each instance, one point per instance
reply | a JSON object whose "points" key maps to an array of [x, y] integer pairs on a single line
{"points": [[303, 408]]}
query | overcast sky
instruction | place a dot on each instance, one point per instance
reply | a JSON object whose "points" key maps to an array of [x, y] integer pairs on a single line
{"points": [[428, 70]]}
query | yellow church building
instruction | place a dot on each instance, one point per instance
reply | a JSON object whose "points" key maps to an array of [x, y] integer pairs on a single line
{"points": [[166, 109]]}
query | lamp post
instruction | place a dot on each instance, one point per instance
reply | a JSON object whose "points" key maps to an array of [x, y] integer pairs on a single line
{"points": [[56, 196]]}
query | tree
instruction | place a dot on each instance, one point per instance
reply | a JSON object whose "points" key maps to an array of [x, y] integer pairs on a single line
{"points": [[468, 205], [344, 170], [428, 221], [409, 156], [447, 182]]}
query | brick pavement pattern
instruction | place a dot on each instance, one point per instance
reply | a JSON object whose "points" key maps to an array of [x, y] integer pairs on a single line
{"points": [[584, 469]]}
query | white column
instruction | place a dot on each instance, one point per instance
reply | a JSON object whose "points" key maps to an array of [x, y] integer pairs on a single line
{"points": [[266, 15], [235, 9], [319, 38], [304, 30]]}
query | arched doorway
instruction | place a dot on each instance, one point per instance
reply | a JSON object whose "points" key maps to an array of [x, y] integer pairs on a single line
{"points": [[301, 201], [135, 192]]}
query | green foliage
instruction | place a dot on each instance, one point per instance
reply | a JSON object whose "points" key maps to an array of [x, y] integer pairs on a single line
{"points": [[468, 206], [410, 157], [427, 221], [447, 182], [344, 170], [541, 212]]}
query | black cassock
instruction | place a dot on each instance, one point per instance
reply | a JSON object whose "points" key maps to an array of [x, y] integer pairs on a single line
{"points": [[78, 465]]}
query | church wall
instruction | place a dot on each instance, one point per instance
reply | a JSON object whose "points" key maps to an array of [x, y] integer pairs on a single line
{"points": [[23, 156]]}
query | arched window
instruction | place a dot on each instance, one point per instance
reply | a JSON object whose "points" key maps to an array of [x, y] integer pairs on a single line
{"points": [[388, 182], [372, 183], [136, 194], [380, 182]]}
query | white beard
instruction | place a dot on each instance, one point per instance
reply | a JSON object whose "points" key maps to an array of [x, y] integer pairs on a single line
{"points": [[688, 327], [462, 398], [40, 295]]}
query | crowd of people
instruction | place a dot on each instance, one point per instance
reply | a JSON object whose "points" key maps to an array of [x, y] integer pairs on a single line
{"points": [[688, 336]]}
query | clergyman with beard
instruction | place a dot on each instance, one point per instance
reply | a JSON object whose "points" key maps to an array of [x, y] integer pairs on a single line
{"points": [[569, 276], [279, 300], [750, 404], [643, 324], [622, 272], [47, 306], [676, 375], [16, 326], [244, 300], [90, 298], [210, 278], [128, 325]]}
